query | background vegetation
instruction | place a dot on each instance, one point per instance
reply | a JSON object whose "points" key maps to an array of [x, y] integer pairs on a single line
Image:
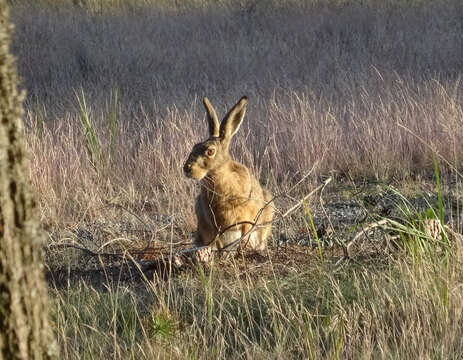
{"points": [[365, 90]]}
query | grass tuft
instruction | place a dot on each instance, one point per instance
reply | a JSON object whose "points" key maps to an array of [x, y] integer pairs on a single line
{"points": [[92, 143]]}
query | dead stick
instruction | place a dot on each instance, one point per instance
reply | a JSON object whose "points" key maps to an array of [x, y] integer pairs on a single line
{"points": [[362, 232], [290, 210]]}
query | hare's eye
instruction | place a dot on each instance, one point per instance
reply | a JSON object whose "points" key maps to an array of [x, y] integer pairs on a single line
{"points": [[210, 152]]}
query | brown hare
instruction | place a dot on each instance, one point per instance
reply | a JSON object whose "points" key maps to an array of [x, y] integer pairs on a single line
{"points": [[230, 194]]}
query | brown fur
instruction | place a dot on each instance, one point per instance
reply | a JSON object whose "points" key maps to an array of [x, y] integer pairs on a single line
{"points": [[230, 194]]}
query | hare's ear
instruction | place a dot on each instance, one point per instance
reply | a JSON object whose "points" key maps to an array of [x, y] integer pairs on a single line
{"points": [[211, 118], [233, 119]]}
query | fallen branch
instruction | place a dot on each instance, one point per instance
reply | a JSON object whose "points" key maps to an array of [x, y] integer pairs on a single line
{"points": [[363, 232], [321, 187], [450, 233]]}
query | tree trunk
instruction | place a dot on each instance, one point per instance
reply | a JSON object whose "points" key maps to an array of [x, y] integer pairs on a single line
{"points": [[25, 332]]}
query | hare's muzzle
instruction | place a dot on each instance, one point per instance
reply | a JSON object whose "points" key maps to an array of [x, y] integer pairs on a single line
{"points": [[187, 169]]}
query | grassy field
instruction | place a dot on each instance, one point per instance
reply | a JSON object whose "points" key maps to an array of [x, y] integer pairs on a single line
{"points": [[367, 92]]}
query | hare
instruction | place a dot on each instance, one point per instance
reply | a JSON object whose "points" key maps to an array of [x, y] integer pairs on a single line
{"points": [[231, 198]]}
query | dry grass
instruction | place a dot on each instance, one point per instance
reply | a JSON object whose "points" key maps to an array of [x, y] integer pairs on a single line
{"points": [[328, 83], [141, 166]]}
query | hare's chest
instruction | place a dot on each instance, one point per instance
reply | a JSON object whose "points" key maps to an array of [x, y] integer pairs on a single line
{"points": [[232, 217], [222, 211]]}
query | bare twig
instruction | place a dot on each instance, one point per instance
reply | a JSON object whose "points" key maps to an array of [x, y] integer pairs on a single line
{"points": [[363, 232], [381, 224], [365, 229], [290, 210]]}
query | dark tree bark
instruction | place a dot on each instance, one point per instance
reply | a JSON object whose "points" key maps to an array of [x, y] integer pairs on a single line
{"points": [[25, 332]]}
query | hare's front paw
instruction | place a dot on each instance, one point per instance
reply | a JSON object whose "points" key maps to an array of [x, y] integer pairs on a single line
{"points": [[204, 255]]}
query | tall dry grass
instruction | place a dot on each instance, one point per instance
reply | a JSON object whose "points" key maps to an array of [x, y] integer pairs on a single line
{"points": [[330, 49], [326, 80], [281, 139]]}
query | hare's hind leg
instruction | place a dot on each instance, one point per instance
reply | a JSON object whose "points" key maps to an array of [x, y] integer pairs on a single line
{"points": [[229, 240], [267, 217], [254, 240]]}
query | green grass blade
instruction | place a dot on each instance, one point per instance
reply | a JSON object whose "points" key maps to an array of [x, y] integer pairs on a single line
{"points": [[314, 230], [91, 139]]}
